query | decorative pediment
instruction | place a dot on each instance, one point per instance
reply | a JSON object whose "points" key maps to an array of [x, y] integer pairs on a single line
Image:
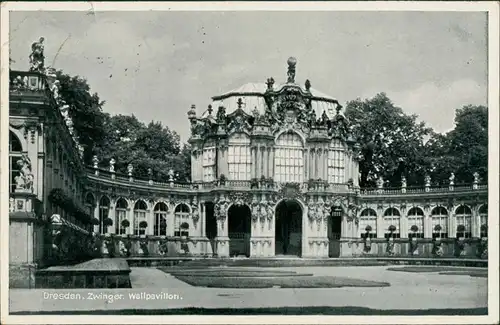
{"points": [[239, 121]]}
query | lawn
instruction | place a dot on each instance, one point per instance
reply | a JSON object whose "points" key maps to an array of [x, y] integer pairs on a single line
{"points": [[281, 282], [443, 270], [231, 272]]}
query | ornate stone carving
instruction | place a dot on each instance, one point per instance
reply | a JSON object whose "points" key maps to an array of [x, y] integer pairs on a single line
{"points": [[290, 191], [24, 181], [37, 58], [292, 62], [240, 198]]}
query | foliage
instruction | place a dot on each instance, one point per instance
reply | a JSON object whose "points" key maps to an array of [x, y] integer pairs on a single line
{"points": [[464, 150], [95, 221], [154, 147], [143, 224], [85, 109], [414, 228], [438, 228], [125, 223], [107, 222], [392, 228], [184, 226], [65, 202], [368, 228], [391, 141], [460, 228], [393, 144]]}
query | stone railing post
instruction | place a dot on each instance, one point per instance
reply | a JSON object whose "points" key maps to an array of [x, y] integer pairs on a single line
{"points": [[130, 170], [150, 174], [112, 168], [95, 160]]}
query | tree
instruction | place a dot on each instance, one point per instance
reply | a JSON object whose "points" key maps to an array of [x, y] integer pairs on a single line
{"points": [[462, 151], [85, 109], [391, 142], [154, 147], [469, 142]]}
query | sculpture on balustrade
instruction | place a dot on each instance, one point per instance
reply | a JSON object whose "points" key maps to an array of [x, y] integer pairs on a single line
{"points": [[95, 161], [112, 165], [122, 248], [390, 246], [130, 169], [19, 83], [37, 58], [143, 248], [162, 247], [24, 181], [476, 177], [380, 183], [452, 179], [403, 182], [427, 180]]}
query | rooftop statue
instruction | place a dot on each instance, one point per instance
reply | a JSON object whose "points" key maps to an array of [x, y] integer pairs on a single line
{"points": [[292, 62], [37, 59]]}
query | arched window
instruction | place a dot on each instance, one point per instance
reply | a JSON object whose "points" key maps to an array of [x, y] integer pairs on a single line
{"points": [[415, 223], [368, 223], [103, 214], [90, 204], [439, 222], [336, 162], [160, 228], [15, 154], [209, 160], [239, 157], [140, 208], [483, 220], [289, 158], [181, 217], [463, 217], [121, 216], [391, 219]]}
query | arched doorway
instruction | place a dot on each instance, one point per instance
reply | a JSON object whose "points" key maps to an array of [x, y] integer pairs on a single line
{"points": [[334, 231], [288, 231], [211, 226], [239, 228]]}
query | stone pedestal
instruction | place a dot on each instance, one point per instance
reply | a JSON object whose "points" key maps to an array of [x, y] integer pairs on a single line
{"points": [[222, 246], [26, 238]]}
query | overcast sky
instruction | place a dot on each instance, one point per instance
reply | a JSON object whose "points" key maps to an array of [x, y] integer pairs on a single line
{"points": [[156, 64]]}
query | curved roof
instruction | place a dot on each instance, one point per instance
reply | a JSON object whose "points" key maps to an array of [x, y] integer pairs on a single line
{"points": [[251, 95]]}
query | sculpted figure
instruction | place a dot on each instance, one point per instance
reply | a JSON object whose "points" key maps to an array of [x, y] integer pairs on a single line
{"points": [[37, 58], [25, 178]]}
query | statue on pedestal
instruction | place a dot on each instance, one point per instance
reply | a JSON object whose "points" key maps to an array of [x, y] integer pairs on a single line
{"points": [[37, 59], [24, 181]]}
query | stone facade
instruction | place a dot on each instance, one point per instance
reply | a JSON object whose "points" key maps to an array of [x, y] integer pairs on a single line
{"points": [[274, 172]]}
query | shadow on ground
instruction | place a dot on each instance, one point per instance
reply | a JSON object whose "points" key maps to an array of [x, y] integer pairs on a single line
{"points": [[339, 311]]}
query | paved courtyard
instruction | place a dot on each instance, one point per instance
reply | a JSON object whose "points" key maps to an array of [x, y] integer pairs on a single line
{"points": [[407, 291]]}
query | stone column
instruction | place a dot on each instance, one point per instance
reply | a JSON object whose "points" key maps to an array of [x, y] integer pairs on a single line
{"points": [[380, 223], [258, 161], [313, 163], [427, 225], [265, 163], [96, 215], [476, 223], [325, 164], [271, 162]]}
